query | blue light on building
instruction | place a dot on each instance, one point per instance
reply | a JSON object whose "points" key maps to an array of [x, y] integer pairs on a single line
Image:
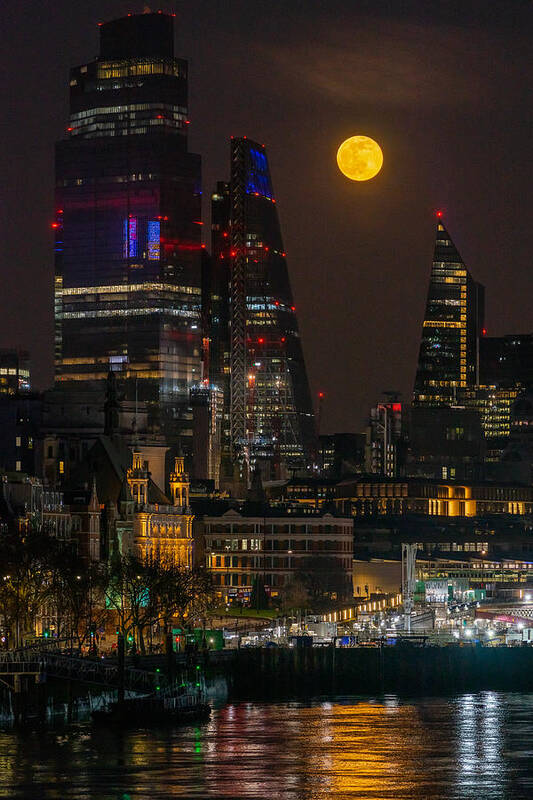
{"points": [[130, 237], [258, 178], [153, 239]]}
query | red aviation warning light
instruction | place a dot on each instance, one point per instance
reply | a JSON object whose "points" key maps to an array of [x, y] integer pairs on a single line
{"points": [[438, 214]]}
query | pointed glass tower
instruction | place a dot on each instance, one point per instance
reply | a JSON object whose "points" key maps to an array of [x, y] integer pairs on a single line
{"points": [[256, 349], [453, 321]]}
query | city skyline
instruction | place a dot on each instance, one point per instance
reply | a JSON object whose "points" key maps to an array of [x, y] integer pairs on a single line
{"points": [[366, 337], [266, 400]]}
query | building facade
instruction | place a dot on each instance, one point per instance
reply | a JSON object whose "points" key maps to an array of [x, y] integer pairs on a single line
{"points": [[453, 322], [242, 547], [383, 439], [207, 402], [137, 517], [128, 219], [256, 350], [506, 361], [14, 371], [432, 498]]}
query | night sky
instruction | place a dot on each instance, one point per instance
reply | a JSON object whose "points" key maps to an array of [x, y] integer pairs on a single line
{"points": [[444, 87]]}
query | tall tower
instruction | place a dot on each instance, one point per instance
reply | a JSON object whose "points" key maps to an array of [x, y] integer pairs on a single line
{"points": [[259, 359], [448, 360], [128, 218]]}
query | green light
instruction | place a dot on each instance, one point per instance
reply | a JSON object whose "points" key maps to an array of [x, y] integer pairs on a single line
{"points": [[157, 688], [198, 666], [198, 684], [157, 669]]}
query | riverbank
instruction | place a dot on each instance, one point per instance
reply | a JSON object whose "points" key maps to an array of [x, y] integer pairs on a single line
{"points": [[275, 674], [293, 673]]}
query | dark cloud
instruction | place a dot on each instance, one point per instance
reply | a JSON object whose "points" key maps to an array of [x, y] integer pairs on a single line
{"points": [[396, 64]]}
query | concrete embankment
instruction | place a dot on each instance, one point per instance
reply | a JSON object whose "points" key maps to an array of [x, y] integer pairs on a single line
{"points": [[287, 673]]}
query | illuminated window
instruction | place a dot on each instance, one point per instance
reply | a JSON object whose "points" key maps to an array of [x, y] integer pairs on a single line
{"points": [[130, 237], [18, 466], [153, 240], [61, 467]]}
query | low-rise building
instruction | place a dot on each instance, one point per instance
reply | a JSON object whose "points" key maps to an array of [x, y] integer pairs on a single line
{"points": [[370, 497], [274, 545]]}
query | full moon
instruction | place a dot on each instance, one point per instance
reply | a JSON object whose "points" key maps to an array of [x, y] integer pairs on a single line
{"points": [[360, 158]]}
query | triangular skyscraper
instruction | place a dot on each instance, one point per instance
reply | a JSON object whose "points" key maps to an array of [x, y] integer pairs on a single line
{"points": [[453, 322]]}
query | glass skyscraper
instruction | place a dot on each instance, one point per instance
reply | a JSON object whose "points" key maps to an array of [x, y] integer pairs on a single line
{"points": [[128, 219], [448, 360], [256, 353]]}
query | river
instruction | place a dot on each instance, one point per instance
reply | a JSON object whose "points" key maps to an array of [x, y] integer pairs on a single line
{"points": [[467, 746]]}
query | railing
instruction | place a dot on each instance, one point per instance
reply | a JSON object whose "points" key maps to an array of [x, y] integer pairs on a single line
{"points": [[85, 670]]}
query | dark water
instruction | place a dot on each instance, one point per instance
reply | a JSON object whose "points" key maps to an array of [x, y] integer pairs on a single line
{"points": [[471, 746]]}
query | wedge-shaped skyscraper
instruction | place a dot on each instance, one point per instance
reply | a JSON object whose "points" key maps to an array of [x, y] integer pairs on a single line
{"points": [[256, 348], [448, 360]]}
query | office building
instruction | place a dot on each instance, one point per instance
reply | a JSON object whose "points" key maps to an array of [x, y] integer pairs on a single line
{"points": [[384, 439], [494, 405], [453, 322], [207, 409], [341, 453], [432, 498], [277, 546], [506, 361], [444, 443], [257, 356], [14, 371], [128, 221]]}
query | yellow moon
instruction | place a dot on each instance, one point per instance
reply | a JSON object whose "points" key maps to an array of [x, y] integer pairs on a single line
{"points": [[360, 158]]}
